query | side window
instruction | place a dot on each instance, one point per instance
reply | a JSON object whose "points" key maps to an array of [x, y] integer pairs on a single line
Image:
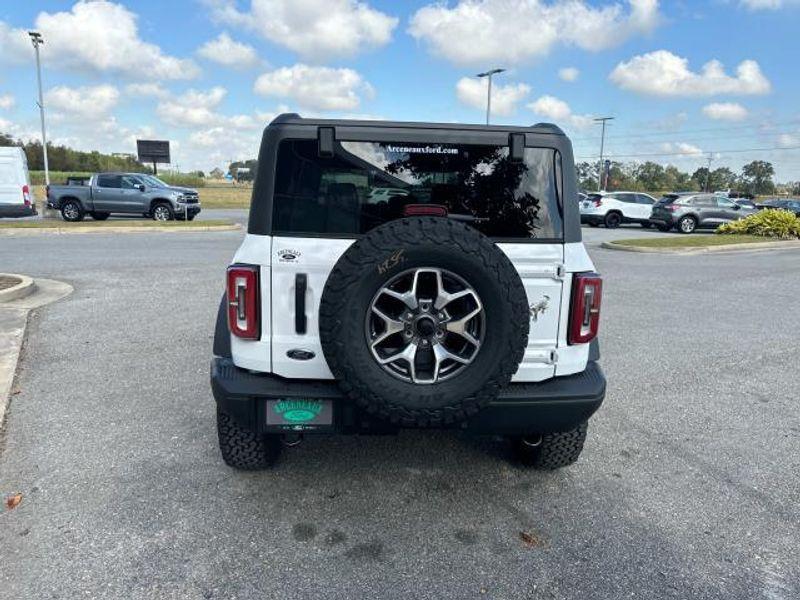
{"points": [[627, 198], [724, 203], [109, 181], [129, 183], [704, 201], [645, 199]]}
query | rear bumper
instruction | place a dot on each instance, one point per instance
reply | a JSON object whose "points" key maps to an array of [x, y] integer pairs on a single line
{"points": [[17, 210], [558, 404]]}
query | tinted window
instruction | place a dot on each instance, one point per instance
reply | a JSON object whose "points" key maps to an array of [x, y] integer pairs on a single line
{"points": [[129, 182], [366, 184], [644, 199], [109, 181]]}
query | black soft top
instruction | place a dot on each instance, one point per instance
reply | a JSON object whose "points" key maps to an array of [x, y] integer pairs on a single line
{"points": [[327, 131]]}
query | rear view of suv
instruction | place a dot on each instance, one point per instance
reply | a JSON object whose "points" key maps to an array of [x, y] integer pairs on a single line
{"points": [[612, 209], [688, 212], [409, 275]]}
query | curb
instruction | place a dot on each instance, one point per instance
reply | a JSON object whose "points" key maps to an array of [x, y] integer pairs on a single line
{"points": [[13, 322], [755, 246], [12, 231], [24, 288]]}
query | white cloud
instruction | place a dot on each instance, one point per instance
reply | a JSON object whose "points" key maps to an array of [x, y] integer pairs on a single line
{"points": [[199, 109], [725, 111], [98, 37], [681, 148], [560, 112], [315, 29], [88, 102], [6, 101], [481, 32], [766, 4], [472, 92], [569, 74], [662, 73], [317, 88], [192, 109], [789, 140], [153, 90], [228, 52]]}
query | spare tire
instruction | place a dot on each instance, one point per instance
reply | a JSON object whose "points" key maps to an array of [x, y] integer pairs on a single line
{"points": [[423, 320]]}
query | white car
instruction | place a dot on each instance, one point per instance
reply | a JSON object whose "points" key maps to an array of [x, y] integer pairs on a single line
{"points": [[16, 194], [612, 209], [477, 310]]}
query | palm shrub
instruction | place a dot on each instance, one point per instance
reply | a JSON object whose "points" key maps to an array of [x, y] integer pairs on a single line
{"points": [[770, 223]]}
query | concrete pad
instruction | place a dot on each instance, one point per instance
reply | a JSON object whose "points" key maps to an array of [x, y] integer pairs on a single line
{"points": [[13, 319], [24, 288]]}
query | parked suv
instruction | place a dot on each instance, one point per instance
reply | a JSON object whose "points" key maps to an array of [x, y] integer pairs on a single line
{"points": [[123, 193], [466, 302], [612, 209], [689, 211]]}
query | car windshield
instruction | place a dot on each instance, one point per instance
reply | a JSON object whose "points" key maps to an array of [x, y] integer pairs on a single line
{"points": [[153, 181]]}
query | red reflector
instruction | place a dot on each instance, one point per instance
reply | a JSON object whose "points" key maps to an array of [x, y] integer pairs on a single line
{"points": [[26, 195], [243, 302], [424, 210], [584, 317]]}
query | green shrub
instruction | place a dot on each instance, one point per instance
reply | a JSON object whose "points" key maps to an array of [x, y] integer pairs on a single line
{"points": [[771, 223]]}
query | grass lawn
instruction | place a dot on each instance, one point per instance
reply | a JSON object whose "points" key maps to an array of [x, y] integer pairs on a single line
{"points": [[224, 196], [89, 224], [693, 241]]}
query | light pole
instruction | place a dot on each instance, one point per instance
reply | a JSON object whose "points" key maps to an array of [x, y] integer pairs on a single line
{"points": [[602, 120], [708, 171], [37, 40], [489, 91]]}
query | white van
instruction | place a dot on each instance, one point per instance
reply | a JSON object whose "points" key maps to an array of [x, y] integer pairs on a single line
{"points": [[16, 192]]}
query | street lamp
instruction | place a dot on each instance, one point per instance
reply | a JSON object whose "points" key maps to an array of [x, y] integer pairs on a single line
{"points": [[36, 39], [489, 91], [602, 120]]}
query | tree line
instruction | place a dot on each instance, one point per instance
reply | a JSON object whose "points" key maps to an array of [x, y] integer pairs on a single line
{"points": [[756, 177], [62, 158]]}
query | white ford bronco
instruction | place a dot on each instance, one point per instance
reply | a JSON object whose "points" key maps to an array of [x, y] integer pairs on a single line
{"points": [[409, 275]]}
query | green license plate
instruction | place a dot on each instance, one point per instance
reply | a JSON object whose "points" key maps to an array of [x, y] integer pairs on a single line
{"points": [[299, 414]]}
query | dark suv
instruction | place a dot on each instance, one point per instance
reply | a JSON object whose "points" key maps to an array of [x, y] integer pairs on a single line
{"points": [[690, 211]]}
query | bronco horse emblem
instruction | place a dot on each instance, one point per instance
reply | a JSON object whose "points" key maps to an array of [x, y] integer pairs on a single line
{"points": [[539, 308]]}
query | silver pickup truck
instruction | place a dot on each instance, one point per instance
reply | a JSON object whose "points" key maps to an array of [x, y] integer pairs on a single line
{"points": [[123, 193]]}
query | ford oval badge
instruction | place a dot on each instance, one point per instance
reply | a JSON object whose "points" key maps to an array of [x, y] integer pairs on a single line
{"points": [[298, 354]]}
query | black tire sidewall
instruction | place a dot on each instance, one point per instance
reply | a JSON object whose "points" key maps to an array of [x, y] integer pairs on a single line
{"points": [[171, 215], [77, 207], [612, 220]]}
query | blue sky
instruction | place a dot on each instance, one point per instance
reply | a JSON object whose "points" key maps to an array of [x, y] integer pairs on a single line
{"points": [[682, 79]]}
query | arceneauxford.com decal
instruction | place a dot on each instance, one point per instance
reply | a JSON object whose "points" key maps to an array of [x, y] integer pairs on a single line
{"points": [[422, 150]]}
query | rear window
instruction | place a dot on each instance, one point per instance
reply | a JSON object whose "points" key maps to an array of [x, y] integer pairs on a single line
{"points": [[366, 184]]}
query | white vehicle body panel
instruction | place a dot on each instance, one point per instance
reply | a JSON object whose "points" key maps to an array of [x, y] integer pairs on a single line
{"points": [[13, 176], [545, 271], [629, 210]]}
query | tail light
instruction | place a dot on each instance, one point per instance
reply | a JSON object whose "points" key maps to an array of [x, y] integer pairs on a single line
{"points": [[26, 195], [672, 207], [421, 210], [244, 313], [598, 202], [584, 318]]}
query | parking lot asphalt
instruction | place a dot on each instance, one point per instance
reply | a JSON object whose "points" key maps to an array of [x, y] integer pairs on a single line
{"points": [[688, 486]]}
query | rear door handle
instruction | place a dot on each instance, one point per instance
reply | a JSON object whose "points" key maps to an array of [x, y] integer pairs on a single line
{"points": [[300, 286]]}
